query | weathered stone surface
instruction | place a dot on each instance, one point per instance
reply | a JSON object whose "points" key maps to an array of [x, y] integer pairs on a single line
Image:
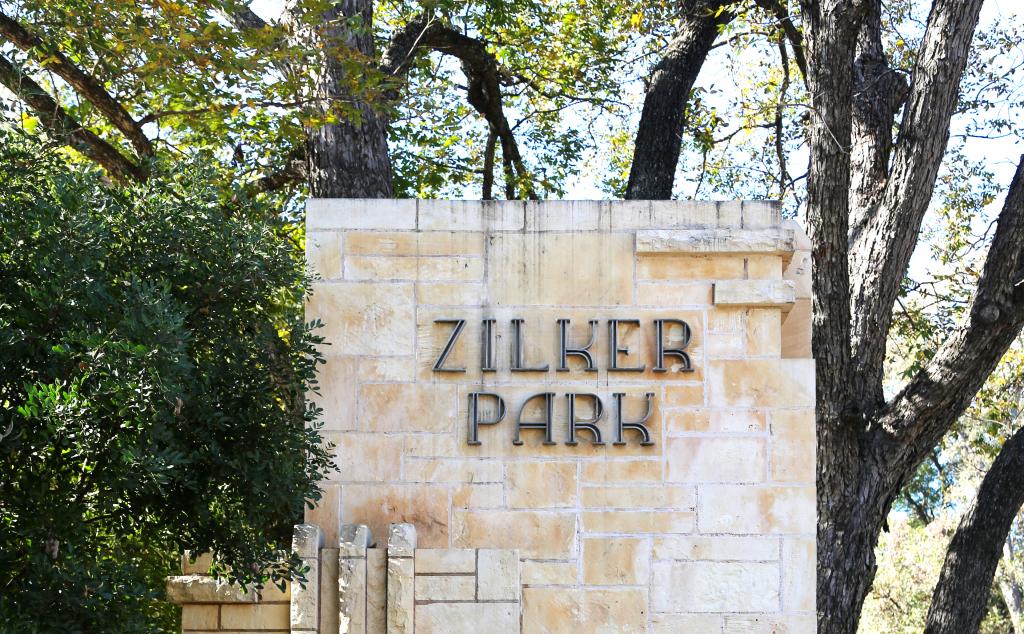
{"points": [[689, 267], [260, 616], [612, 561], [631, 522], [761, 383], [364, 317], [324, 253], [401, 540], [376, 590], [457, 243], [338, 213], [467, 618], [379, 456], [200, 617], [541, 484], [497, 575], [307, 539], [330, 612], [716, 548], [406, 407], [798, 567], [738, 509], [472, 215], [707, 241], [401, 595], [668, 497], [770, 624], [689, 623], [779, 293], [376, 505], [445, 561], [445, 588], [550, 573], [540, 535], [717, 459], [351, 574], [705, 586]]}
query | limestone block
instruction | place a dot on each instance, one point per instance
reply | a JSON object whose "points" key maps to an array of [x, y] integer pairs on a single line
{"points": [[688, 395], [401, 540], [200, 617], [326, 512], [422, 243], [707, 586], [707, 241], [376, 590], [552, 610], [324, 252], [387, 369], [633, 522], [352, 578], [717, 459], [563, 215], [478, 496], [307, 539], [259, 616], [422, 505], [611, 561], [622, 611], [770, 624], [622, 471], [540, 535], [730, 213], [639, 497], [531, 269], [764, 333], [796, 331], [689, 623], [381, 268], [716, 548], [445, 561], [444, 470], [364, 317], [400, 595], [739, 421], [798, 575], [761, 213], [406, 407], [780, 293], [370, 213], [449, 293], [793, 440], [430, 446], [336, 392], [541, 484], [204, 589], [666, 214], [201, 565], [497, 575], [671, 294], [367, 457], [763, 267], [467, 618], [738, 509], [445, 587], [550, 573], [471, 215], [689, 267], [799, 271], [330, 611], [725, 345], [761, 383]]}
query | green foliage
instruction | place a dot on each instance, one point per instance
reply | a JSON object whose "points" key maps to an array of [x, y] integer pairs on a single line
{"points": [[154, 362]]}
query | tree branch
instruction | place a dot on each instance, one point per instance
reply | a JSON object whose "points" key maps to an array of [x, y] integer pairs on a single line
{"points": [[663, 119], [880, 252], [66, 128], [961, 594], [86, 85], [918, 417], [796, 39]]}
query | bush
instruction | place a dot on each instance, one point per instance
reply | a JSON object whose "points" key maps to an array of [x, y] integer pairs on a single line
{"points": [[153, 362]]}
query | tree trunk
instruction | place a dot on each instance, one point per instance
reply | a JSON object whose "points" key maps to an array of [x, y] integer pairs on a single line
{"points": [[1013, 597], [660, 135], [965, 582], [348, 159]]}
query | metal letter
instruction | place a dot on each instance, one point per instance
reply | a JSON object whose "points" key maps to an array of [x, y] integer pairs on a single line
{"points": [[549, 414], [564, 351], [517, 349], [589, 425], [459, 325], [639, 426], [662, 351], [474, 414], [613, 345], [487, 349]]}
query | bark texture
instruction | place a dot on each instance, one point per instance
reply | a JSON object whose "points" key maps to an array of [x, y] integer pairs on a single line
{"points": [[958, 605], [662, 121], [349, 159]]}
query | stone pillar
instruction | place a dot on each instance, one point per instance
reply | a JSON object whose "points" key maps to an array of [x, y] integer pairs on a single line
{"points": [[307, 540], [352, 595], [401, 578]]}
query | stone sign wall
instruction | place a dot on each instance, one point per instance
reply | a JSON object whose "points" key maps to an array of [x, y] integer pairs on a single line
{"points": [[621, 392]]}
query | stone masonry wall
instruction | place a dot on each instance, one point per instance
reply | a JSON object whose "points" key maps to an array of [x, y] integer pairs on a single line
{"points": [[708, 529]]}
